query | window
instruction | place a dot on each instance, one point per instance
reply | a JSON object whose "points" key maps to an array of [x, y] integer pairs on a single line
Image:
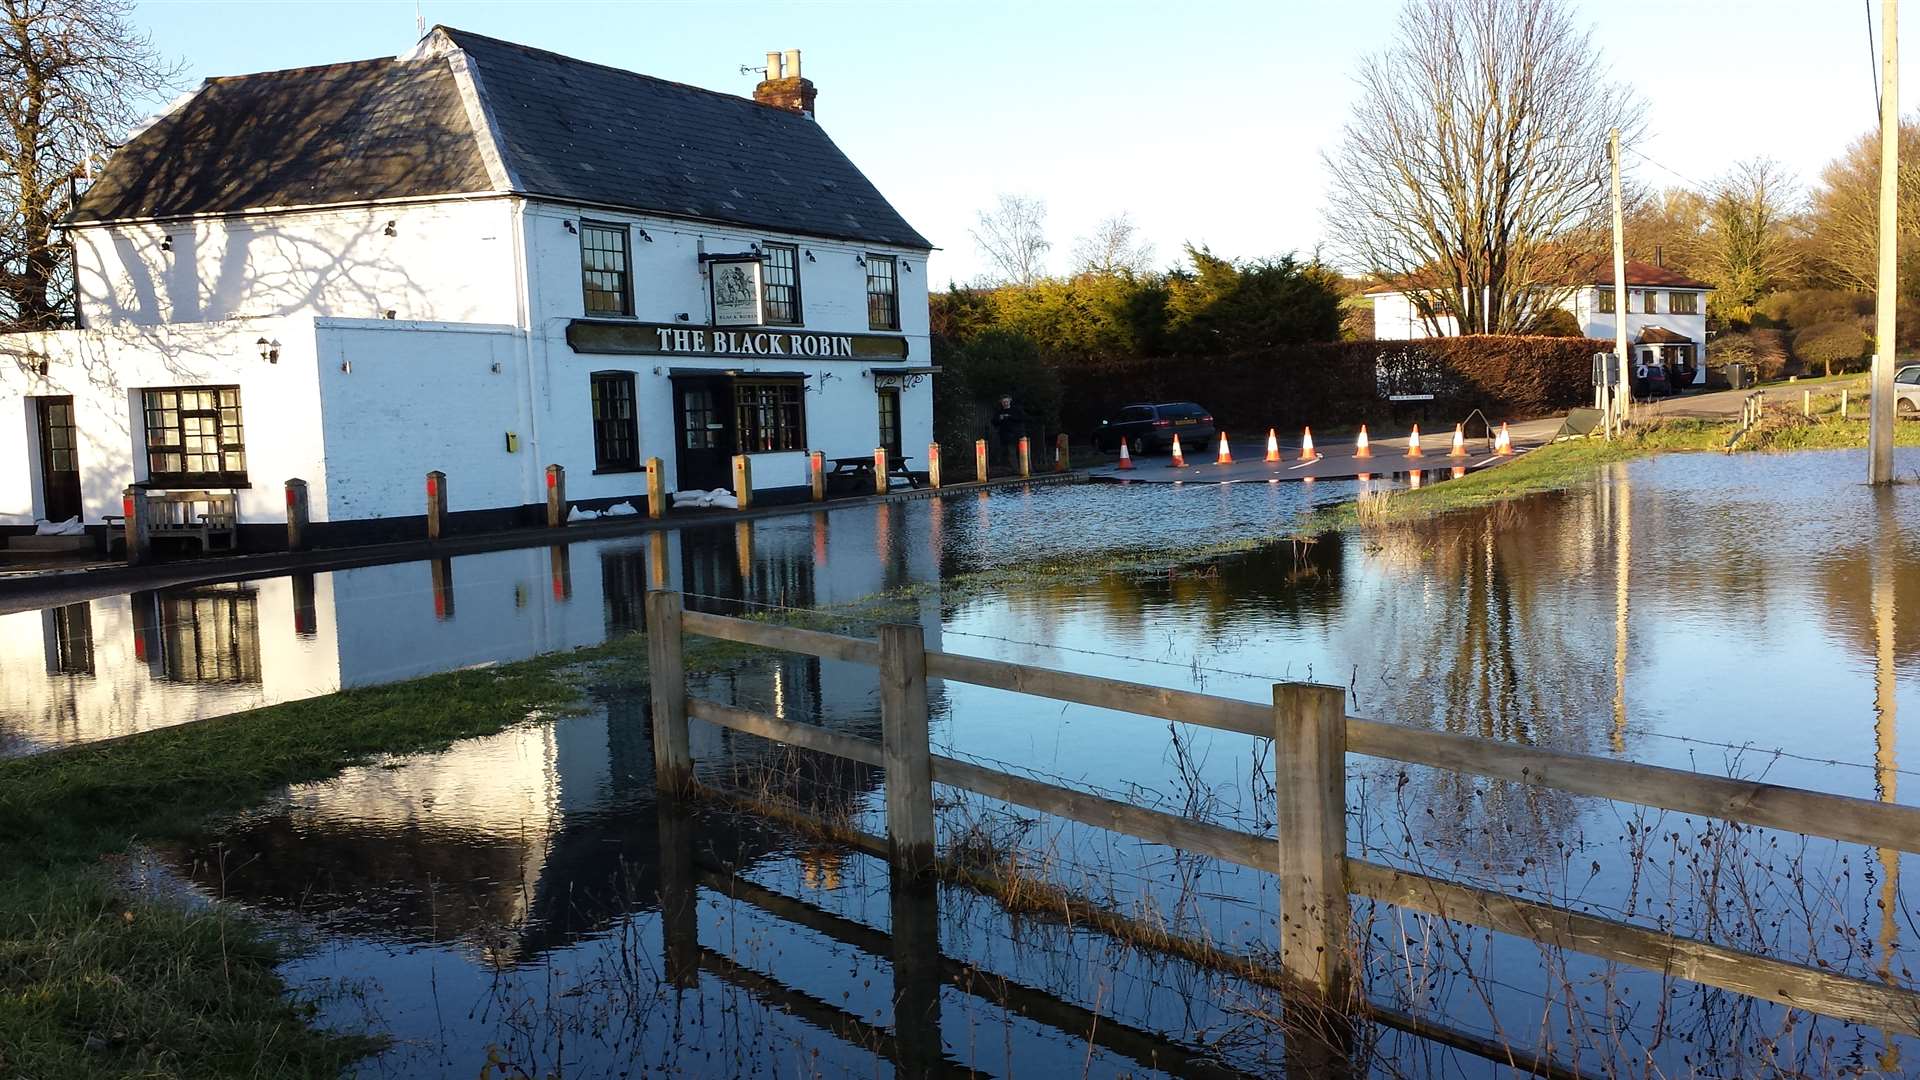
{"points": [[769, 416], [1649, 295], [1606, 300], [890, 419], [781, 287], [604, 270], [883, 293], [616, 437], [1683, 303], [194, 437], [700, 418]]}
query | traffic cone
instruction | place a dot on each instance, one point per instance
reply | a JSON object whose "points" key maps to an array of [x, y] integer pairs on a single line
{"points": [[1273, 446], [1179, 460], [1306, 445], [1126, 459], [1503, 444], [1361, 449], [1413, 442], [1459, 441], [1225, 457]]}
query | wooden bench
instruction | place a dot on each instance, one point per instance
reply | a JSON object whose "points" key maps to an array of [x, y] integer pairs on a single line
{"points": [[201, 516]]}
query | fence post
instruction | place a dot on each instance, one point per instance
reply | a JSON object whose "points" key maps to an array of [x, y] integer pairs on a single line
{"points": [[1310, 778], [296, 515], [556, 496], [656, 488], [1845, 402], [933, 466], [436, 503], [743, 480], [817, 475], [1060, 452], [667, 675], [1026, 457], [1806, 403], [980, 459], [903, 734], [880, 463], [133, 503]]}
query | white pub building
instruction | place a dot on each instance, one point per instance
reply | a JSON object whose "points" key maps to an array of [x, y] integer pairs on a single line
{"points": [[479, 258]]}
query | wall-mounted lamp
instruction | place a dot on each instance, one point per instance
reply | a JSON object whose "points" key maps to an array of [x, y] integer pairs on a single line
{"points": [[861, 259], [390, 313], [820, 380], [810, 257], [392, 229], [496, 367], [907, 266], [569, 226], [645, 236], [681, 316], [658, 371], [346, 366], [269, 350], [166, 243]]}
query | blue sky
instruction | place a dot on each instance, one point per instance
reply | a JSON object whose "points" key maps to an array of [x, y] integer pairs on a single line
{"points": [[1204, 120]]}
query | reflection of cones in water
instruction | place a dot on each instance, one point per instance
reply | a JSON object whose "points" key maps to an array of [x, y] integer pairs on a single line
{"points": [[1273, 445], [1413, 442], [1179, 460], [1503, 442], [1413, 479], [1459, 441], [1225, 457], [1306, 444], [1361, 449], [1126, 459]]}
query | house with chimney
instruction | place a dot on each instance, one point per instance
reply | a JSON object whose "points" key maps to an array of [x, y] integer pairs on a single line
{"points": [[1666, 315], [479, 258]]}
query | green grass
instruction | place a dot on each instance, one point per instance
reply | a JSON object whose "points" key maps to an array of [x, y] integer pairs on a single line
{"points": [[98, 981]]}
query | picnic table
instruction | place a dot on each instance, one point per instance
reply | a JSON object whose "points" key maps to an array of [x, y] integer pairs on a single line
{"points": [[849, 472]]}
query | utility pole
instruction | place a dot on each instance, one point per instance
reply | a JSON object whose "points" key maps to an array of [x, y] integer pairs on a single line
{"points": [[1622, 391], [1880, 417]]}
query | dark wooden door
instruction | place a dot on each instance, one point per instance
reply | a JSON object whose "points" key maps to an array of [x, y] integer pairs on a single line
{"points": [[703, 422], [59, 458], [889, 398]]}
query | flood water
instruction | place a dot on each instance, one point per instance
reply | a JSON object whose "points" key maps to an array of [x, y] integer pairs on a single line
{"points": [[519, 900]]}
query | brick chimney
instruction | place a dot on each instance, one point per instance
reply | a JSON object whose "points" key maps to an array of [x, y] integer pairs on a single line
{"points": [[783, 87]]}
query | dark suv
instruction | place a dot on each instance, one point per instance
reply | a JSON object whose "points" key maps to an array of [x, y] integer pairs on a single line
{"points": [[1151, 428]]}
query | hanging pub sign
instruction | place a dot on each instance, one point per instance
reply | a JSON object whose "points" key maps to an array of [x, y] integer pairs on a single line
{"points": [[736, 290]]}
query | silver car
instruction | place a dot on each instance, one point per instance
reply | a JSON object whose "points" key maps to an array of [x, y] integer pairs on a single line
{"points": [[1906, 392]]}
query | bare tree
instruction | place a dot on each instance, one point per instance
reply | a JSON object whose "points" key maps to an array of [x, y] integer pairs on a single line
{"points": [[71, 75], [1747, 246], [1014, 236], [1473, 172], [1114, 248]]}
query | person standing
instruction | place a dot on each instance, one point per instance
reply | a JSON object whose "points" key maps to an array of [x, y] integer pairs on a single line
{"points": [[1009, 424]]}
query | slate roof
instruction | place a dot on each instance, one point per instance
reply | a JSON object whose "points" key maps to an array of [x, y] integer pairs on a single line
{"points": [[343, 133], [566, 129]]}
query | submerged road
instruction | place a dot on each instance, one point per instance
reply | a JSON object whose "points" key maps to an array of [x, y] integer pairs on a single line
{"points": [[1335, 460]]}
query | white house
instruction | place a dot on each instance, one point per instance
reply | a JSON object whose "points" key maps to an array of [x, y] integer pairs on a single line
{"points": [[480, 258], [1666, 315]]}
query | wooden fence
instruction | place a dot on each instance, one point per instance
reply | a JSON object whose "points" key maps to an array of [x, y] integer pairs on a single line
{"points": [[1312, 737]]}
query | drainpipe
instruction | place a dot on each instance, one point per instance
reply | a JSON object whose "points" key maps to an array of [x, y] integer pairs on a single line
{"points": [[523, 298]]}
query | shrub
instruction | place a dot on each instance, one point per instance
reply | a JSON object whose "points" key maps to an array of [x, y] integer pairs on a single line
{"points": [[1803, 308], [974, 375], [1558, 323], [1831, 344]]}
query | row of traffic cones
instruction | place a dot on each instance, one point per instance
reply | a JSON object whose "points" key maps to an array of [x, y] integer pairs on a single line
{"points": [[1502, 445]]}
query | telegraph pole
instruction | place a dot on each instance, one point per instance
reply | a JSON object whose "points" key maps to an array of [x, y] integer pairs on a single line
{"points": [[1880, 417], [1619, 279]]}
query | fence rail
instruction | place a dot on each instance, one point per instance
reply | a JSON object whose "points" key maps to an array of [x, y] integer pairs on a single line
{"points": [[1312, 736]]}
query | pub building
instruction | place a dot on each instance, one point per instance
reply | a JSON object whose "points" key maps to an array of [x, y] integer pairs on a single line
{"points": [[479, 258]]}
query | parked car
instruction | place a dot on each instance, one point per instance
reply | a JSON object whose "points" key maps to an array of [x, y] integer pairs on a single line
{"points": [[1148, 429], [1650, 381], [1906, 392]]}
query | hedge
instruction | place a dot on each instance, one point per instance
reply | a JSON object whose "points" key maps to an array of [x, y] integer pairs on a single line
{"points": [[1348, 382]]}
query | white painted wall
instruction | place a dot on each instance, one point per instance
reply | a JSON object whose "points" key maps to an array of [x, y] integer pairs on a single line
{"points": [[451, 261], [1394, 317]]}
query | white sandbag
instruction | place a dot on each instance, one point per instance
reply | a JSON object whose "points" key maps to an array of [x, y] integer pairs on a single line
{"points": [[690, 499], [69, 527], [577, 514], [723, 498], [624, 509]]}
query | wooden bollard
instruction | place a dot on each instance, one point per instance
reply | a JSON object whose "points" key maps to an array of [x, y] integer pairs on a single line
{"points": [[556, 496], [1060, 452], [296, 515], [743, 480], [817, 475], [904, 745], [933, 466], [880, 471], [133, 503], [656, 488], [980, 459], [1309, 764], [1806, 403], [1026, 457], [1845, 402], [667, 682], [436, 503]]}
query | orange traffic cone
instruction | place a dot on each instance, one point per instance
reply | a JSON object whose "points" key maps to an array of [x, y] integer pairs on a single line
{"points": [[1413, 442], [1225, 456], [1361, 449], [1306, 445], [1179, 460], [1503, 444], [1126, 459], [1273, 446], [1459, 441]]}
